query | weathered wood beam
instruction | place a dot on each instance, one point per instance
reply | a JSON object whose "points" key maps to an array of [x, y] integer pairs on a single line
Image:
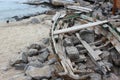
{"points": [[92, 53], [79, 8], [76, 28]]}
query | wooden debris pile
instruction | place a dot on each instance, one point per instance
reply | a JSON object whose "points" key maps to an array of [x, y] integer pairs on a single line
{"points": [[85, 46]]}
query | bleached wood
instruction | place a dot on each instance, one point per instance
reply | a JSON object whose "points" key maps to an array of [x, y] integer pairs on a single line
{"points": [[76, 28]]}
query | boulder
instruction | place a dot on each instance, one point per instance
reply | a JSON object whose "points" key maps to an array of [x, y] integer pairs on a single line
{"points": [[95, 76], [67, 42], [80, 47], [35, 46], [87, 35], [32, 52], [39, 73], [43, 56], [75, 40], [35, 63], [44, 50], [20, 66], [33, 58], [20, 58], [73, 53], [115, 57]]}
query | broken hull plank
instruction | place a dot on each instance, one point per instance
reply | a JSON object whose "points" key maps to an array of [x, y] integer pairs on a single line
{"points": [[76, 28], [83, 9], [112, 39], [92, 53], [105, 25]]}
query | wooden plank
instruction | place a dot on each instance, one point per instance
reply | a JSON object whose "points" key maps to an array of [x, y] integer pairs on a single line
{"points": [[79, 8], [92, 53], [112, 31], [115, 40], [76, 28]]}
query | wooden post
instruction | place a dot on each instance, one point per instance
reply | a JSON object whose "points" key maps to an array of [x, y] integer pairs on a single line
{"points": [[114, 6]]}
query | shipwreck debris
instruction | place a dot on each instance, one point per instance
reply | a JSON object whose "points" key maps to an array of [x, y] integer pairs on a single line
{"points": [[84, 47]]}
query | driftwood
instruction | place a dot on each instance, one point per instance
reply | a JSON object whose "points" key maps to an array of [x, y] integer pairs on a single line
{"points": [[94, 55], [76, 28], [113, 37], [79, 8]]}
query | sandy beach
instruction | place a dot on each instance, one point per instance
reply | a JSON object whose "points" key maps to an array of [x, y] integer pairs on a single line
{"points": [[17, 35]]}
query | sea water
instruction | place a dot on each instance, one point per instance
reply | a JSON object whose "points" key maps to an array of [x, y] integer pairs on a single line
{"points": [[11, 8]]}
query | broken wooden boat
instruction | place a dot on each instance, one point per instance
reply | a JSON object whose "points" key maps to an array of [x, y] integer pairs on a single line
{"points": [[84, 45]]}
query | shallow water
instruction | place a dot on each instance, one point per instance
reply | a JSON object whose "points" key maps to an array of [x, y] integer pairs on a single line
{"points": [[10, 8]]}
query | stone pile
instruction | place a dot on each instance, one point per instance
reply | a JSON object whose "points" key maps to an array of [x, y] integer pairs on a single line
{"points": [[35, 62], [79, 55]]}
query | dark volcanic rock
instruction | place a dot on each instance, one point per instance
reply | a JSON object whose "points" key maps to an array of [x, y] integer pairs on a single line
{"points": [[34, 46], [32, 52], [39, 73], [72, 53], [43, 56], [95, 76], [20, 58], [87, 35], [67, 42], [35, 63]]}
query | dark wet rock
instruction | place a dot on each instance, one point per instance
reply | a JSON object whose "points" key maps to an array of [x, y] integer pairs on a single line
{"points": [[33, 58], [80, 47], [35, 63], [35, 21], [67, 42], [44, 50], [16, 18], [115, 57], [20, 58], [39, 73], [20, 66], [43, 56], [87, 35], [35, 46], [32, 52], [73, 53], [95, 76]]}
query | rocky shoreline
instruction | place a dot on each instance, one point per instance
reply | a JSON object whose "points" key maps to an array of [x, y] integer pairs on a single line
{"points": [[68, 54]]}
